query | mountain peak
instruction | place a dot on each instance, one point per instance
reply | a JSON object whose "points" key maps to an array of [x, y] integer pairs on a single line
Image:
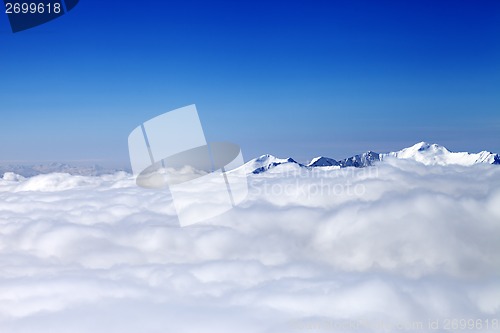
{"points": [[266, 162], [423, 146], [265, 157], [322, 161]]}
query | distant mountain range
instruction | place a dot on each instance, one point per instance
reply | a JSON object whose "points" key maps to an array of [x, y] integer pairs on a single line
{"points": [[31, 170], [423, 152]]}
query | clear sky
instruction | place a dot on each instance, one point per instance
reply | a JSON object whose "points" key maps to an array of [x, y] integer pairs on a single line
{"points": [[290, 78]]}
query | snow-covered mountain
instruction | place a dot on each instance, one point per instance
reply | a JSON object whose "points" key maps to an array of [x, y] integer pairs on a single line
{"points": [[362, 160], [423, 152], [266, 162], [322, 161], [433, 154]]}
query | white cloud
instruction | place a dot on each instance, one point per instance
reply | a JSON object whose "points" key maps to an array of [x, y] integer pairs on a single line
{"points": [[396, 244]]}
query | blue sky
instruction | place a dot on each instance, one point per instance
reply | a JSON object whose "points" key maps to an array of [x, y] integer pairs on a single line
{"points": [[296, 79]]}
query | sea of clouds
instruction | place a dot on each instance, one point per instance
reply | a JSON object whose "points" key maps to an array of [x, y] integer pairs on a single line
{"points": [[395, 247]]}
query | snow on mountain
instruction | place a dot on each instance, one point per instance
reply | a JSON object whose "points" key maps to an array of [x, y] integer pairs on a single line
{"points": [[322, 161], [434, 154], [360, 161], [266, 162], [423, 152]]}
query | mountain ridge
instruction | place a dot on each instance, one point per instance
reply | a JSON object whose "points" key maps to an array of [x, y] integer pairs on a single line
{"points": [[422, 152]]}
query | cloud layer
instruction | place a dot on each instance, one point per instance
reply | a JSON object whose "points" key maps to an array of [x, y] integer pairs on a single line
{"points": [[396, 244]]}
